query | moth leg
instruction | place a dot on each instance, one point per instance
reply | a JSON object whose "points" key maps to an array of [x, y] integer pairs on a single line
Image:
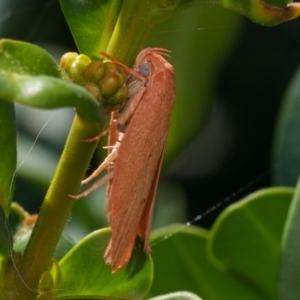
{"points": [[96, 185], [101, 134], [107, 162]]}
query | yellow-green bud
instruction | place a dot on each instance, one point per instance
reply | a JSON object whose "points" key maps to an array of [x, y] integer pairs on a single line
{"points": [[119, 97], [94, 71], [76, 70], [114, 78], [94, 90], [67, 59]]}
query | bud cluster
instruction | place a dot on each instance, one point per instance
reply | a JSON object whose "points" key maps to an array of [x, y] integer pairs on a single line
{"points": [[105, 80]]}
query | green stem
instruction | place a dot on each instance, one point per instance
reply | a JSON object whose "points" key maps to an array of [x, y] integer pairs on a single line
{"points": [[56, 207], [136, 19], [130, 31]]}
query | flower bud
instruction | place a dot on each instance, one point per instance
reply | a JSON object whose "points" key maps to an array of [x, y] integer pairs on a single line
{"points": [[94, 71], [114, 78], [67, 59], [94, 90], [76, 71], [119, 97]]}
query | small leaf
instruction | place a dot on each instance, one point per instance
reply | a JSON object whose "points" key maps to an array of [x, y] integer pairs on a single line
{"points": [[246, 237], [289, 288], [46, 287], [17, 216], [181, 263], [91, 23], [84, 272], [8, 153]]}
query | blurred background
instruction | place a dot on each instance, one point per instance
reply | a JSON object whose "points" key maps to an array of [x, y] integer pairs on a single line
{"points": [[231, 76]]}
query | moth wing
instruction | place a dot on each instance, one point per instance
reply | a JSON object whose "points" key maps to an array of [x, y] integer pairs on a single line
{"points": [[146, 218], [137, 169], [117, 258]]}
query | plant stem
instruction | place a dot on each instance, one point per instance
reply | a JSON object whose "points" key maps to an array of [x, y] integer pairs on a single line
{"points": [[136, 19], [56, 207]]}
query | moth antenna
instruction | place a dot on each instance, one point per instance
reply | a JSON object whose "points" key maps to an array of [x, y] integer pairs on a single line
{"points": [[162, 51], [131, 71]]}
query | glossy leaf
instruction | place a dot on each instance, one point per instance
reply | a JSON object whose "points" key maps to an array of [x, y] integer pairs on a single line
{"points": [[27, 59], [91, 23], [28, 75], [181, 263], [178, 296], [246, 238], [8, 153], [102, 25], [48, 92], [287, 138], [289, 288], [96, 280]]}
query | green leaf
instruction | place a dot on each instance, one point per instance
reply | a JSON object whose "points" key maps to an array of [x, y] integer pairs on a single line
{"points": [[8, 153], [48, 92], [246, 238], [5, 236], [65, 244], [84, 272], [268, 13], [178, 296], [289, 288], [102, 25], [91, 23], [287, 138], [25, 58], [36, 81], [181, 263]]}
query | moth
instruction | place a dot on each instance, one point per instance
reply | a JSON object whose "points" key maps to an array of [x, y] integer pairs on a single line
{"points": [[134, 160]]}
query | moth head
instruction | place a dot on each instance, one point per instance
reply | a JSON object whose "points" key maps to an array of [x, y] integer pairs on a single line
{"points": [[144, 69]]}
